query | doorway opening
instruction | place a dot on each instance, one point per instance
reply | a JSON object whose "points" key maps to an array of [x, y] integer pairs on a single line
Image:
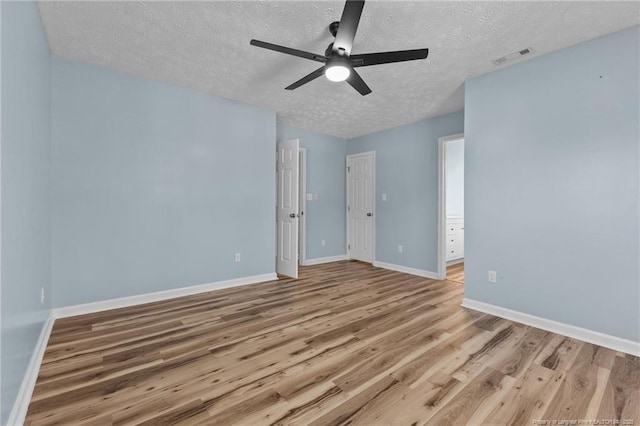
{"points": [[451, 208], [361, 177]]}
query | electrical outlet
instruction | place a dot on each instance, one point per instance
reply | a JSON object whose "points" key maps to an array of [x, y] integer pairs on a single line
{"points": [[237, 258], [492, 276], [41, 294], [323, 243], [400, 248]]}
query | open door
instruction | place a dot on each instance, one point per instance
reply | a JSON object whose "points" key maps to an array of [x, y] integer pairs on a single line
{"points": [[287, 214], [302, 207]]}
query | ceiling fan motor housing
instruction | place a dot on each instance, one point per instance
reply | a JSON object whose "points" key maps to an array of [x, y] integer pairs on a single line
{"points": [[329, 51], [333, 28]]}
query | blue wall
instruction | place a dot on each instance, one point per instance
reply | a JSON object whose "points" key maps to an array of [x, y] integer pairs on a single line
{"points": [[155, 187], [455, 178], [552, 186], [407, 171], [326, 215], [25, 190]]}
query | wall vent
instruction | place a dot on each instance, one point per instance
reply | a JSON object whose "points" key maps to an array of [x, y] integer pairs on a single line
{"points": [[512, 56]]}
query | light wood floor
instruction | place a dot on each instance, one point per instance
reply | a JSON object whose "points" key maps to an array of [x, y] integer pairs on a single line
{"points": [[456, 273], [345, 344]]}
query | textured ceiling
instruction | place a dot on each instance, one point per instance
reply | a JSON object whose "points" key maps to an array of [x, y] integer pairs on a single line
{"points": [[205, 46]]}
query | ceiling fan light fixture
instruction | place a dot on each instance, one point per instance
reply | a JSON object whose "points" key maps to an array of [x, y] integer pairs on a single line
{"points": [[337, 62], [337, 72]]}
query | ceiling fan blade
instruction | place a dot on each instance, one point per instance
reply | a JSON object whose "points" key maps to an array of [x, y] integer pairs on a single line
{"points": [[289, 51], [366, 59], [307, 78], [358, 83], [348, 26]]}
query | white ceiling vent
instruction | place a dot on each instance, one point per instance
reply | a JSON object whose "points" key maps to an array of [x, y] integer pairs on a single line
{"points": [[513, 56]]}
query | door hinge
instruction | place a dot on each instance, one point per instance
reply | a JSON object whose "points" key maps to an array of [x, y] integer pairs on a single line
{"points": [[348, 169], [348, 246], [348, 208]]}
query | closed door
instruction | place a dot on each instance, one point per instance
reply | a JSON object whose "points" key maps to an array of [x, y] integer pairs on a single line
{"points": [[287, 208], [360, 206]]}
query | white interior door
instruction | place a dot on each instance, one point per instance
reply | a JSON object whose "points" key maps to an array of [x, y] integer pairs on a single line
{"points": [[360, 206], [302, 207], [287, 208]]}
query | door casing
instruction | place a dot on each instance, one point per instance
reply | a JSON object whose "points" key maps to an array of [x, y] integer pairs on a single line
{"points": [[442, 201]]}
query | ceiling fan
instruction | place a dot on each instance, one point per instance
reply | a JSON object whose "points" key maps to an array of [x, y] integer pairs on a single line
{"points": [[338, 61]]}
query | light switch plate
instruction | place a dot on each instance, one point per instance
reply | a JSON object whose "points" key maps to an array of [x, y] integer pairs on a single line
{"points": [[384, 197], [309, 197]]}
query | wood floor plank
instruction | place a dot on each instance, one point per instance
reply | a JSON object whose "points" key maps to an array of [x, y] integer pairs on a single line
{"points": [[344, 412], [578, 387], [515, 359], [455, 273], [621, 397], [462, 407], [406, 406], [345, 343], [517, 407]]}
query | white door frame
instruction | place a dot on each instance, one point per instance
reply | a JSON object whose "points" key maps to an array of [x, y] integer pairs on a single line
{"points": [[442, 200], [373, 198], [302, 236]]}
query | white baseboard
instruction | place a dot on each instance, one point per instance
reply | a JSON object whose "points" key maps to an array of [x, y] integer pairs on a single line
{"points": [[122, 302], [320, 260], [21, 405], [406, 270], [455, 261], [590, 336]]}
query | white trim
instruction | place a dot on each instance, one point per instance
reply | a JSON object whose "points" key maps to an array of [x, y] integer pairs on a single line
{"points": [[21, 405], [320, 260], [1, 286], [122, 302], [406, 270], [442, 200], [590, 336], [455, 262], [373, 198], [302, 223]]}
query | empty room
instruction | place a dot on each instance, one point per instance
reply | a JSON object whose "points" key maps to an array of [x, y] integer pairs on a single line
{"points": [[319, 213]]}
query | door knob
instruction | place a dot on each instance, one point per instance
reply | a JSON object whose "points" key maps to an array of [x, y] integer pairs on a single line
{"points": [[292, 215], [369, 214]]}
